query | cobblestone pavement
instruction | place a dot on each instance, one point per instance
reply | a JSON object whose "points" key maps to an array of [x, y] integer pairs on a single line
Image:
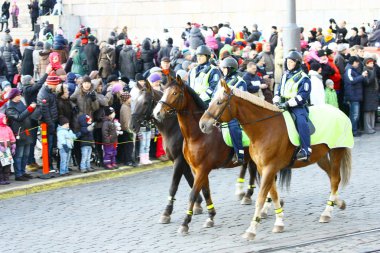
{"points": [[121, 215]]}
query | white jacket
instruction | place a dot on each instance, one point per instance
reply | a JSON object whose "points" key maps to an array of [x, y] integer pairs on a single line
{"points": [[317, 94]]}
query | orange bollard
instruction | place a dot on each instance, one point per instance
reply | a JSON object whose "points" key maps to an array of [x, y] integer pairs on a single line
{"points": [[45, 149]]}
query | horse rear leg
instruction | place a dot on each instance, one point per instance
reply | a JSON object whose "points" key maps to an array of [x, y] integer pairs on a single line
{"points": [[201, 180], [336, 158], [266, 184], [279, 224], [210, 206], [239, 187], [247, 200]]}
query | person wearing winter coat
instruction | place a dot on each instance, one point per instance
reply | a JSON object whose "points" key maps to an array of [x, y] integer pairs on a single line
{"points": [[64, 103], [30, 91], [20, 122], [10, 57], [65, 143], [176, 59], [196, 38], [370, 96], [109, 139], [3, 70], [355, 38], [36, 60], [353, 91], [106, 61], [55, 65], [15, 11], [273, 39], [128, 62], [147, 54], [7, 141], [27, 67], [34, 11], [86, 141], [165, 51], [60, 46], [363, 37], [374, 37], [330, 95], [317, 94], [44, 58], [79, 60], [92, 52], [5, 14], [48, 109]]}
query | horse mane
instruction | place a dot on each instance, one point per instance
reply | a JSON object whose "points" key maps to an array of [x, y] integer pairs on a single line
{"points": [[255, 100], [198, 101]]}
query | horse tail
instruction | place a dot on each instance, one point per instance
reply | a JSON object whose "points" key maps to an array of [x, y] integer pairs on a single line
{"points": [[285, 177], [345, 166]]}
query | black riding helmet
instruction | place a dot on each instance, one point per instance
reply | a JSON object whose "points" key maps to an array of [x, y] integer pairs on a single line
{"points": [[231, 64], [203, 50], [295, 56]]}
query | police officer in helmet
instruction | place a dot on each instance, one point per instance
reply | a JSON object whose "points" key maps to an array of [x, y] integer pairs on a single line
{"points": [[229, 67], [293, 94], [204, 77]]}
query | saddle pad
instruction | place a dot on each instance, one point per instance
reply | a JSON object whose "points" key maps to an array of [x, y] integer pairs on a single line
{"points": [[332, 127], [227, 137]]}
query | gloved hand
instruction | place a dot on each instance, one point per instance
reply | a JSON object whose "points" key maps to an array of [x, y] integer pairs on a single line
{"points": [[78, 135], [93, 96], [90, 128], [76, 109], [2, 149], [66, 148], [283, 106], [13, 149], [276, 100]]}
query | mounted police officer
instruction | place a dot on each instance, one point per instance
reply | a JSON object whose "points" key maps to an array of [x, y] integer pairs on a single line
{"points": [[293, 94], [204, 77], [229, 67]]}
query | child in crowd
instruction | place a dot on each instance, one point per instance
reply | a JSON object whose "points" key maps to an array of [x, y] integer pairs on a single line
{"points": [[65, 143], [7, 149], [330, 94], [86, 141], [109, 139]]}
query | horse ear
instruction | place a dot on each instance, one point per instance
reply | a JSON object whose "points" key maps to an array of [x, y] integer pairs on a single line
{"points": [[139, 85], [225, 85], [170, 79], [179, 80], [148, 86]]}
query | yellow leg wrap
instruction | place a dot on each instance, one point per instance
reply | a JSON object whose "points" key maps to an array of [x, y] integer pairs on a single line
{"points": [[251, 186], [330, 203], [210, 207], [278, 211], [189, 212], [240, 180]]}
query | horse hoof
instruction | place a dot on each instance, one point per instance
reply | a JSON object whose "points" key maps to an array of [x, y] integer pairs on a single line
{"points": [[246, 201], [209, 223], [164, 219], [278, 229], [240, 195], [342, 206], [249, 236], [282, 202], [264, 215], [197, 209], [324, 219], [183, 230]]}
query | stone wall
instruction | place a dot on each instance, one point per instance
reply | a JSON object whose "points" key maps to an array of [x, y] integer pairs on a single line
{"points": [[149, 17]]}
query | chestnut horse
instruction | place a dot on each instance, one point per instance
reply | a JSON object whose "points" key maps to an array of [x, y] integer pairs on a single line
{"points": [[272, 150], [173, 139], [203, 152]]}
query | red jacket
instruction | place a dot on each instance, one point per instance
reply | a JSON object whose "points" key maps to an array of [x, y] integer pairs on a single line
{"points": [[336, 78]]}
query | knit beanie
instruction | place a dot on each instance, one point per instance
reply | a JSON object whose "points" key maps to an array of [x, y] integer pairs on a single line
{"points": [[17, 42], [47, 46], [53, 79], [14, 92], [154, 77], [63, 120], [108, 110], [125, 96], [26, 79], [117, 87], [4, 84], [139, 77]]}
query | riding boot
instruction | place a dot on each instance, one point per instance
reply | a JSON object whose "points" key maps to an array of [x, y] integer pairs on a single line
{"points": [[303, 155], [237, 141]]}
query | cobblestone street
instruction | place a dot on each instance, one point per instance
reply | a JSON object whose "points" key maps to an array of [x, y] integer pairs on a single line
{"points": [[121, 215]]}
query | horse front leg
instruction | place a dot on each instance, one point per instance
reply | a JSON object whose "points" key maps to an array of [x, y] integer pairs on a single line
{"points": [[247, 199], [190, 180], [198, 184], [266, 184], [178, 171], [279, 224], [239, 186]]}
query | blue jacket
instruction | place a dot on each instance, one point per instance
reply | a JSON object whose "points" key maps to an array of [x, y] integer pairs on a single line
{"points": [[87, 136], [304, 88], [353, 84], [59, 42], [253, 82], [65, 136]]}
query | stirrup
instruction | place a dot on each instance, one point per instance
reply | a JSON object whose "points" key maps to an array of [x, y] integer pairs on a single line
{"points": [[302, 155]]}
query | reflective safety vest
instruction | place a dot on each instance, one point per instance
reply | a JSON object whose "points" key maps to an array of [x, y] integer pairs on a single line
{"points": [[289, 88], [200, 82], [234, 81]]}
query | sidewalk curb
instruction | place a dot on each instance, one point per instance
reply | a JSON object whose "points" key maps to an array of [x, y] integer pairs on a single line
{"points": [[62, 182]]}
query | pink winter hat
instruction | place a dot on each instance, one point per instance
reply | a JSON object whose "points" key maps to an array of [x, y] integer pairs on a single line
{"points": [[117, 87]]}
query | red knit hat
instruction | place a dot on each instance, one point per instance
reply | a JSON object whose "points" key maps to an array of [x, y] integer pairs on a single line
{"points": [[128, 42], [17, 41], [53, 79]]}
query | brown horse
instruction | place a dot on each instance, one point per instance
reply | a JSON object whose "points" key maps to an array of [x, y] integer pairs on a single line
{"points": [[203, 152], [272, 150]]}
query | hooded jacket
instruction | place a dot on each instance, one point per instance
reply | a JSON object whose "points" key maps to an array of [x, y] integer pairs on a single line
{"points": [[7, 138], [92, 52], [65, 137], [106, 61], [10, 58], [353, 84], [128, 62], [147, 54], [109, 131], [27, 66], [196, 38], [374, 37], [47, 105]]}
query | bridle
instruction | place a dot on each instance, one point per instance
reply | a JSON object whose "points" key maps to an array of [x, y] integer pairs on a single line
{"points": [[218, 123], [149, 111]]}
